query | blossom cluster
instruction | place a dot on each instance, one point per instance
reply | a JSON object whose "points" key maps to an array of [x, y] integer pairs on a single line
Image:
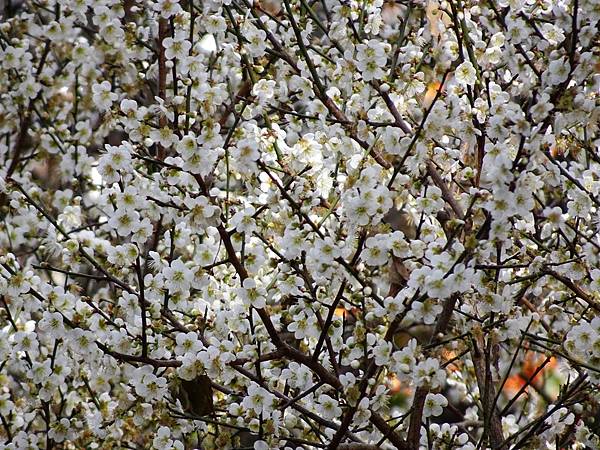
{"points": [[289, 224]]}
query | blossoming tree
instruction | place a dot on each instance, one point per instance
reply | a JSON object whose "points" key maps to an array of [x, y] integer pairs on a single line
{"points": [[299, 224]]}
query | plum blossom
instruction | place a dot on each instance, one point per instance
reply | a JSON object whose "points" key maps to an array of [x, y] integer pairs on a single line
{"points": [[434, 404], [124, 221], [178, 276], [177, 47], [466, 74], [103, 96], [371, 58], [259, 400], [252, 294]]}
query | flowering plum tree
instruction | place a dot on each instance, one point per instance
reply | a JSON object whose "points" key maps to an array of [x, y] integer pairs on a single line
{"points": [[299, 224]]}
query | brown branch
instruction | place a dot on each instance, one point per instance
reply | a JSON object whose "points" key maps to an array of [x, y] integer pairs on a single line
{"points": [[139, 359], [295, 405], [398, 120], [266, 357], [576, 289], [163, 33], [487, 393], [350, 412], [527, 381], [416, 416], [357, 446], [142, 301], [329, 321], [446, 193], [388, 431], [242, 93]]}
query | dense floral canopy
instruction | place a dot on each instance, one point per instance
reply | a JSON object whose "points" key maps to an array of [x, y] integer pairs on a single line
{"points": [[299, 224]]}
